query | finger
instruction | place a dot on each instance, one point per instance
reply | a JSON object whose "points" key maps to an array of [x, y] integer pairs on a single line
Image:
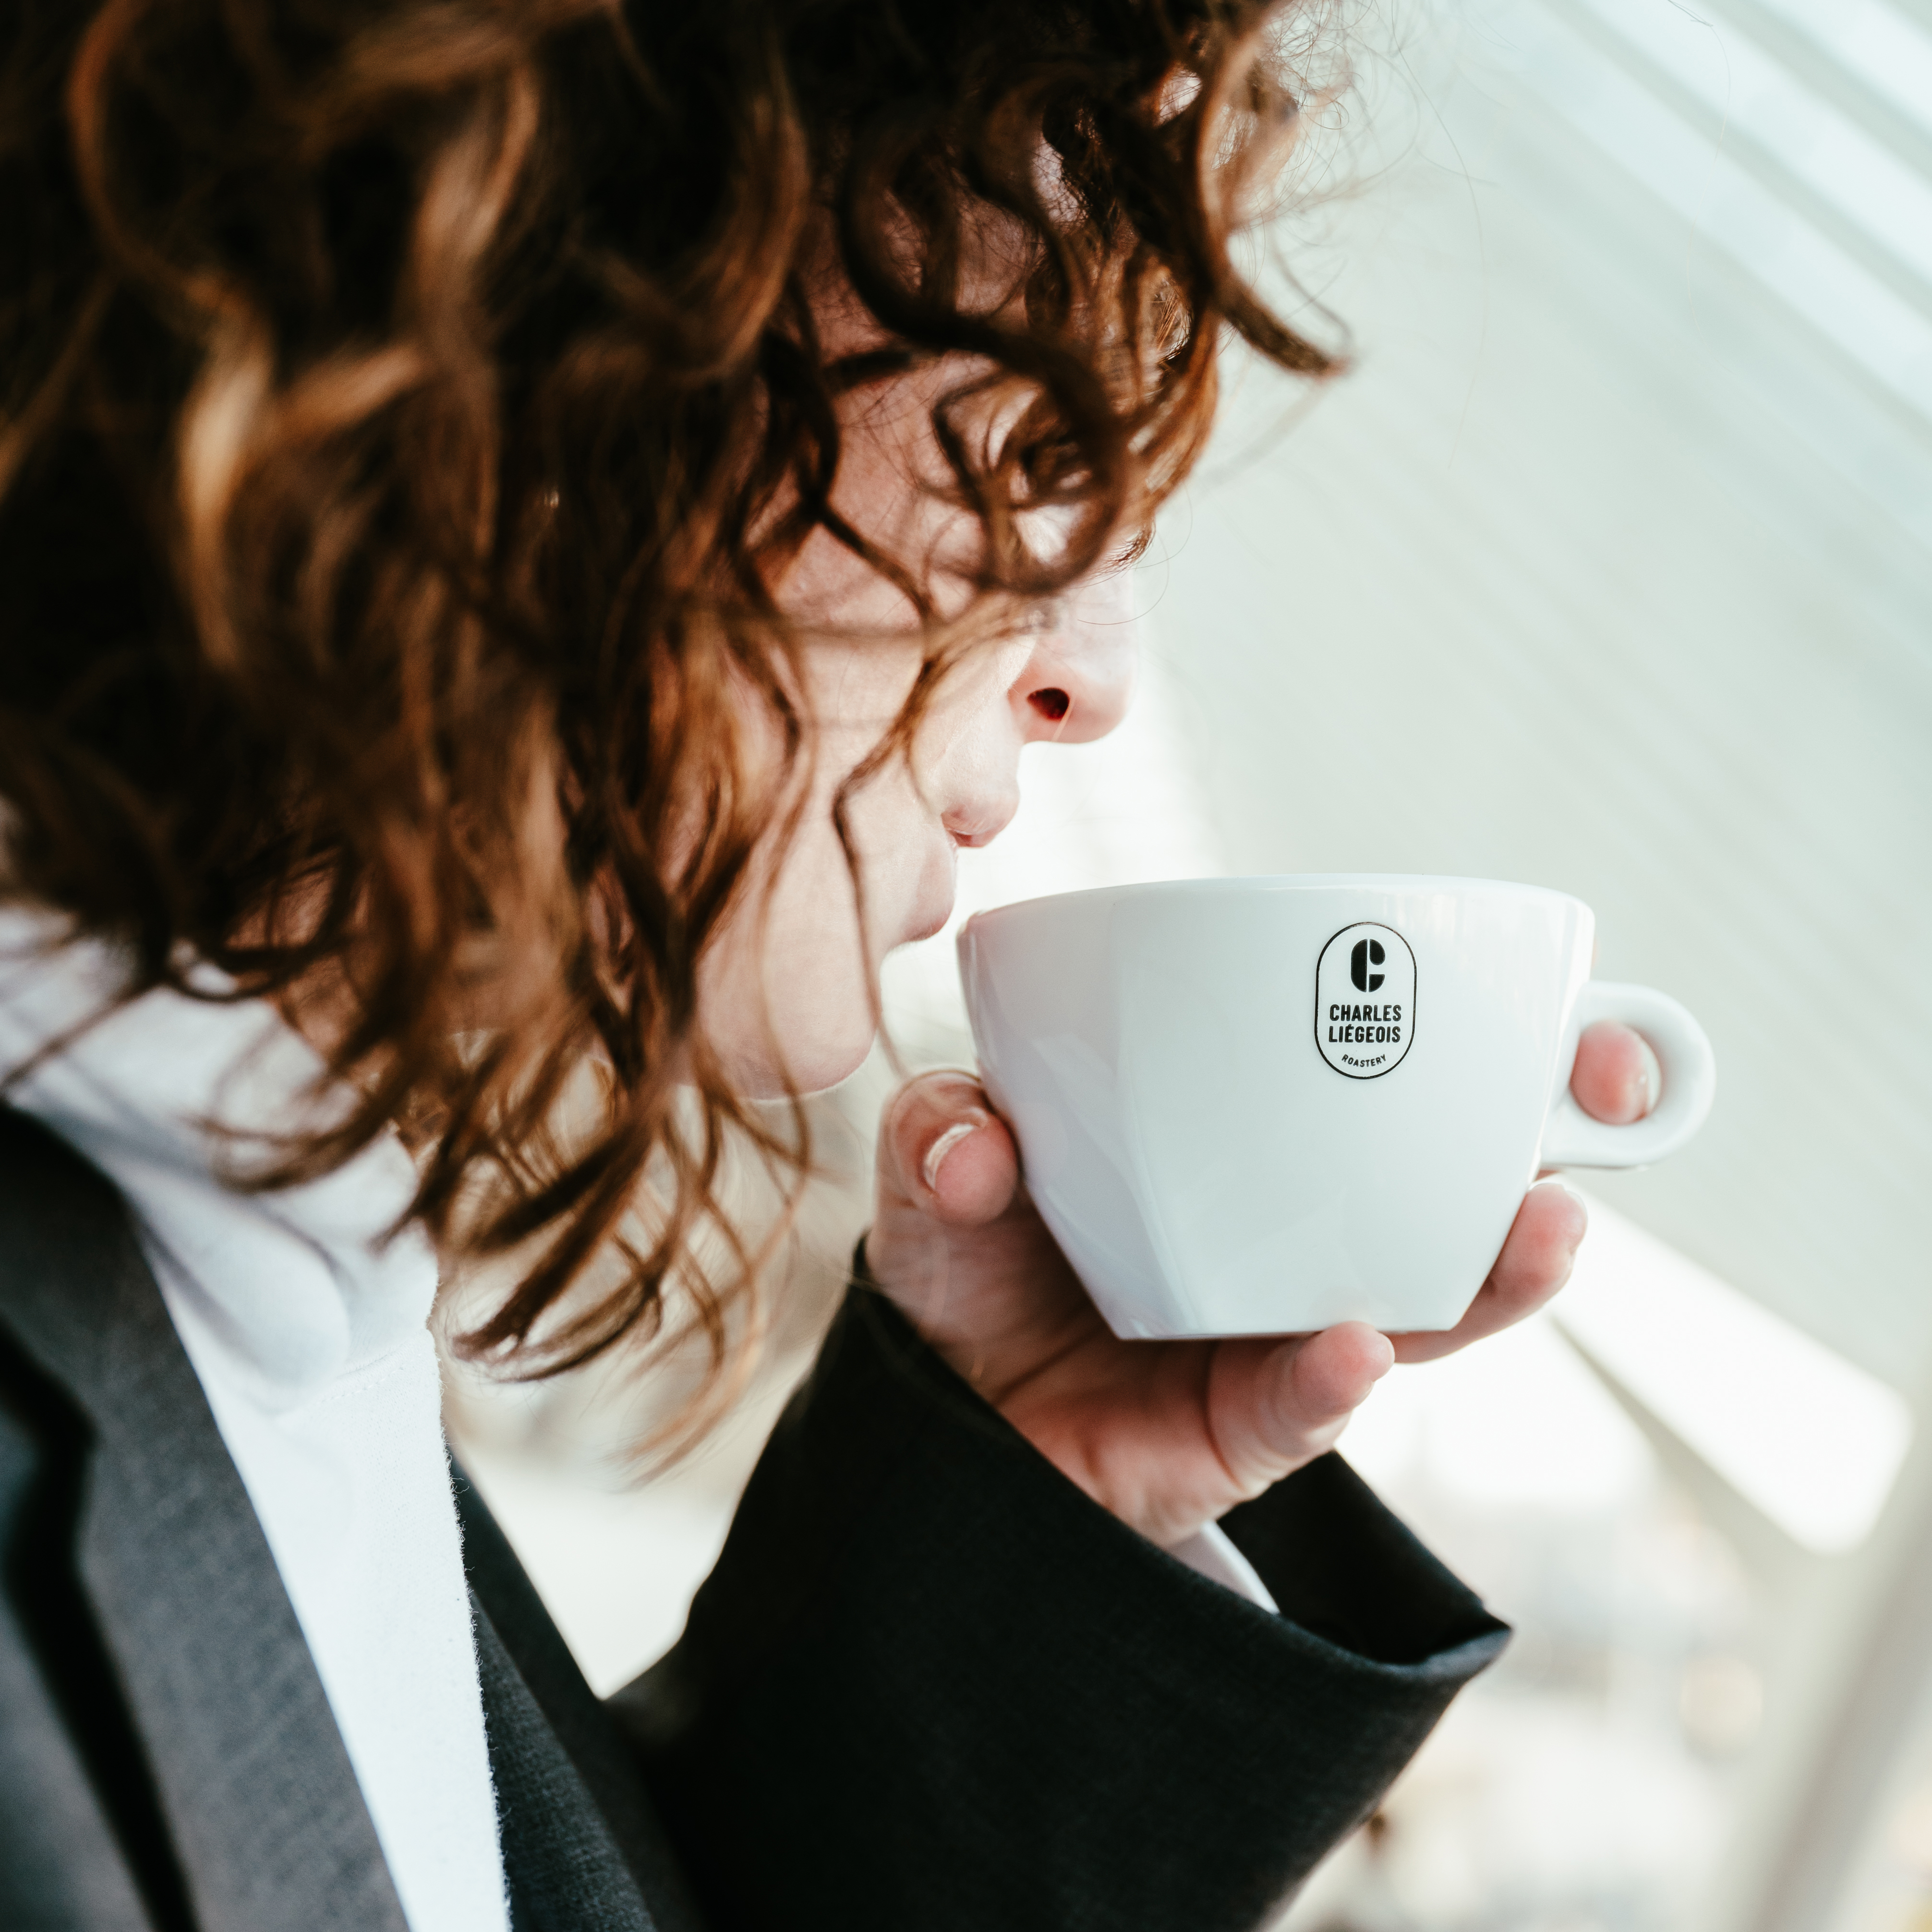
{"points": [[1535, 1262], [942, 1150], [1304, 1392], [1331, 1374], [1616, 1077]]}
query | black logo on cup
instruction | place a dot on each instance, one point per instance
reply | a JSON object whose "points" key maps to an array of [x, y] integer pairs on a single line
{"points": [[1365, 1000]]}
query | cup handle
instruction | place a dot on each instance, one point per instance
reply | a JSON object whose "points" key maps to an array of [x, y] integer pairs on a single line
{"points": [[1571, 1138]]}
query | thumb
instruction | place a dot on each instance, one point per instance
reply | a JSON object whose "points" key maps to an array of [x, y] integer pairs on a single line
{"points": [[943, 1152], [1278, 1405]]}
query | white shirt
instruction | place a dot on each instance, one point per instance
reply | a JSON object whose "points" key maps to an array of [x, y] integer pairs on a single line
{"points": [[309, 1334]]}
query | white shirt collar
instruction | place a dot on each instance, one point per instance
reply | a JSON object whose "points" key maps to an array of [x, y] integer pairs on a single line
{"points": [[174, 1097]]}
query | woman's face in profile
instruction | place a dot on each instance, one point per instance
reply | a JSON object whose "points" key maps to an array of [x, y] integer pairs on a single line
{"points": [[791, 977]]}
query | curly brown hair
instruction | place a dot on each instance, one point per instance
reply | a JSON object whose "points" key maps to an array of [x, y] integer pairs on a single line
{"points": [[408, 409]]}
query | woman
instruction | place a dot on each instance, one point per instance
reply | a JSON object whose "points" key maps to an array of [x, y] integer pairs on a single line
{"points": [[533, 531]]}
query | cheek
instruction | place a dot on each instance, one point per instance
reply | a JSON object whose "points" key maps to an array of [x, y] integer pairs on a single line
{"points": [[786, 997]]}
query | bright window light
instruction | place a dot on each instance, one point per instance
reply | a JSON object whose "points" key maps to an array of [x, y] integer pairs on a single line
{"points": [[1875, 41], [1813, 1442], [1515, 1426], [1760, 102], [1738, 213]]}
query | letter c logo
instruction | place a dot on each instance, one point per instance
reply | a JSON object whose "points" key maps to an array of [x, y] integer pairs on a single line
{"points": [[1366, 952]]}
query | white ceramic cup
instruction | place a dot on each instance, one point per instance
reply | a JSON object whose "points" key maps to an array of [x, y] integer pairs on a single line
{"points": [[1260, 1106]]}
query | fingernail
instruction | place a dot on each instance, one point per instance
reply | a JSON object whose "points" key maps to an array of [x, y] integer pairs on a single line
{"points": [[1653, 1077], [936, 1154]]}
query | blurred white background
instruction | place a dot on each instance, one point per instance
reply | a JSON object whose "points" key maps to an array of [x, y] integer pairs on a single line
{"points": [[1607, 569]]}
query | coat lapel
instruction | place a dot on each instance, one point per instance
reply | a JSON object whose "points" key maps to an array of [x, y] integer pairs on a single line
{"points": [[268, 1830]]}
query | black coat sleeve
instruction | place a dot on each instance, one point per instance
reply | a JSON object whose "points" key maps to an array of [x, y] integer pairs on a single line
{"points": [[930, 1686]]}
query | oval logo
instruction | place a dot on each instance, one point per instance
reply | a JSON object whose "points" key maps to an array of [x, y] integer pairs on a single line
{"points": [[1365, 1000]]}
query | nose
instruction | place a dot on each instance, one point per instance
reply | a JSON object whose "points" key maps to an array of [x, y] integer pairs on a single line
{"points": [[1076, 681]]}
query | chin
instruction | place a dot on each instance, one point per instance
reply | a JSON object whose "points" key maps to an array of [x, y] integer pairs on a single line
{"points": [[812, 1065], [828, 1069]]}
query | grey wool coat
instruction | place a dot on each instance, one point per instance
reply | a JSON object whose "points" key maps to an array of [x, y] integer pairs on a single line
{"points": [[930, 1687]]}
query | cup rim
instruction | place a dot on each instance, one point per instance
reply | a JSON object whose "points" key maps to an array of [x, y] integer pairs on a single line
{"points": [[1388, 883]]}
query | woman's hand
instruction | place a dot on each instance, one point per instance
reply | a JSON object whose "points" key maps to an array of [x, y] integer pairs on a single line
{"points": [[1168, 1435]]}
